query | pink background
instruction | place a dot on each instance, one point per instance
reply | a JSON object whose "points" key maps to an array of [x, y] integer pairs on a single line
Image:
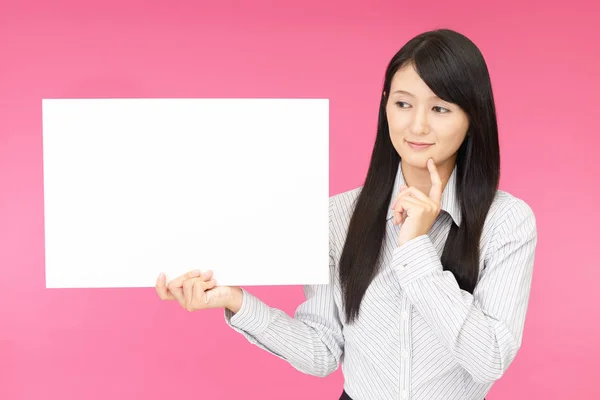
{"points": [[126, 344]]}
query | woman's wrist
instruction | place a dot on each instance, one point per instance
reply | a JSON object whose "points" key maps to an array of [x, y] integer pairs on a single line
{"points": [[234, 303]]}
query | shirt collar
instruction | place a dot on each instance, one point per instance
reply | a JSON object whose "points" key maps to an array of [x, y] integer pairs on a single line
{"points": [[449, 203]]}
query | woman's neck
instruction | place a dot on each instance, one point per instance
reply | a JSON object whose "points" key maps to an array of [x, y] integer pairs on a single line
{"points": [[420, 178]]}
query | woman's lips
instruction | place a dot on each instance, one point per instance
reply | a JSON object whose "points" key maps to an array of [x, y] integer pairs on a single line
{"points": [[419, 145]]}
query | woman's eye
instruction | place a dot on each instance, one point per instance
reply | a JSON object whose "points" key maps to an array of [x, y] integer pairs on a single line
{"points": [[441, 110], [402, 104]]}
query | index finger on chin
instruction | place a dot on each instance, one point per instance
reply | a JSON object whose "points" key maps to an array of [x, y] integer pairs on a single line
{"points": [[436, 182]]}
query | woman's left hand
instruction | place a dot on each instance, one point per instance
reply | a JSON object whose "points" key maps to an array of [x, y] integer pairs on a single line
{"points": [[415, 210]]}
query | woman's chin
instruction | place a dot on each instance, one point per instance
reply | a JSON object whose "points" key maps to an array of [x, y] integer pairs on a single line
{"points": [[416, 160]]}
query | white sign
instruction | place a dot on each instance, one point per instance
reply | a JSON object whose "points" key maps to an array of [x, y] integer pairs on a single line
{"points": [[135, 187]]}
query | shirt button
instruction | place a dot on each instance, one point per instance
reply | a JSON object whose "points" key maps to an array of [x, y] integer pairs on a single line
{"points": [[404, 394], [404, 315], [404, 353]]}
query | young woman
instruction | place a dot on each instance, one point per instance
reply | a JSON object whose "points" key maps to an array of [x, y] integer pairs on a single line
{"points": [[431, 264]]}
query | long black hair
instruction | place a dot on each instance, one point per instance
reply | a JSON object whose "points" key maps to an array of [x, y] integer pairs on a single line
{"points": [[454, 69]]}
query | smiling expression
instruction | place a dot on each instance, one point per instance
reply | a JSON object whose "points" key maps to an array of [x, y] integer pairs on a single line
{"points": [[422, 125]]}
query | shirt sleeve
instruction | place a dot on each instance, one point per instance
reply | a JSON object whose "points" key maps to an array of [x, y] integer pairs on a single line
{"points": [[312, 341], [483, 331]]}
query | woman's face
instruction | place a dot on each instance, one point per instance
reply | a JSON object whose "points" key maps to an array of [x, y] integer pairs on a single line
{"points": [[421, 125]]}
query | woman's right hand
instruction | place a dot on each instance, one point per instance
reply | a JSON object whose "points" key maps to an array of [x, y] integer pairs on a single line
{"points": [[198, 290]]}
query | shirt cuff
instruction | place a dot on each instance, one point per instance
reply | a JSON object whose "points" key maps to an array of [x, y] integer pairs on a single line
{"points": [[415, 259], [253, 317]]}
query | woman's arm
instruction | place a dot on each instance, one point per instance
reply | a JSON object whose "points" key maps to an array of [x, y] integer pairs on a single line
{"points": [[483, 331], [312, 341]]}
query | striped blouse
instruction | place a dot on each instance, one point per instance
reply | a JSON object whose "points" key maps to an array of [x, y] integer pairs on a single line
{"points": [[418, 336]]}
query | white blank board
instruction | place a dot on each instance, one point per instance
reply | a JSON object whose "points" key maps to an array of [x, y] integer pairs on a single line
{"points": [[135, 187]]}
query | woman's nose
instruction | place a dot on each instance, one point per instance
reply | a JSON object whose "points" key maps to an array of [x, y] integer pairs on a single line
{"points": [[419, 124]]}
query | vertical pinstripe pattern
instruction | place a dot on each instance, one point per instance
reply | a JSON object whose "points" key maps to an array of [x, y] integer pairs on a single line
{"points": [[419, 336]]}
